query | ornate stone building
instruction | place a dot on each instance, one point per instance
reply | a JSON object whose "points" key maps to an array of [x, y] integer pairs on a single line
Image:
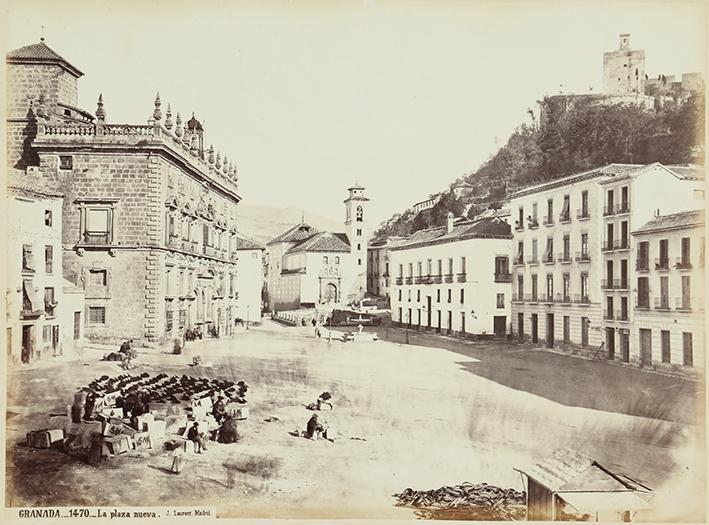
{"points": [[149, 214]]}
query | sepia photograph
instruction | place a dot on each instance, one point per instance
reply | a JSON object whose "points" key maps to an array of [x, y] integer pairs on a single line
{"points": [[360, 259]]}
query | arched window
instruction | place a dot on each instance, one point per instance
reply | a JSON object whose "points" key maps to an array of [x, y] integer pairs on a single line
{"points": [[359, 214], [337, 260], [324, 260]]}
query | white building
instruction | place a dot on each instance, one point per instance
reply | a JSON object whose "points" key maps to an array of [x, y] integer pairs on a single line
{"points": [[668, 317], [307, 267], [557, 275], [378, 271], [249, 279], [41, 320], [630, 200], [454, 279]]}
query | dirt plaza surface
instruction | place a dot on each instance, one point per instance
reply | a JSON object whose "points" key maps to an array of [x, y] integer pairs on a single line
{"points": [[431, 413]]}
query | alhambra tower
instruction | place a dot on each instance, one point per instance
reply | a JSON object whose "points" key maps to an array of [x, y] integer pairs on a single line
{"points": [[356, 229]]}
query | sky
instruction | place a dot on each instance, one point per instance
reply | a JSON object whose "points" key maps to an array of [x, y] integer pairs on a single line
{"points": [[309, 97]]}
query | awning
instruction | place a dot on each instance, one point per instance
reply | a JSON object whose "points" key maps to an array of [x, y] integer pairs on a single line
{"points": [[591, 502], [28, 289]]}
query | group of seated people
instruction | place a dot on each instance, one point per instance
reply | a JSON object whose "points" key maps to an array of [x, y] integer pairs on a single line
{"points": [[226, 433]]}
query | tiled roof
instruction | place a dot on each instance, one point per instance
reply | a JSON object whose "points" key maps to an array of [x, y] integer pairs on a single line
{"points": [[31, 185], [689, 171], [485, 228], [245, 243], [297, 233], [323, 242], [42, 54], [684, 219], [610, 169]]}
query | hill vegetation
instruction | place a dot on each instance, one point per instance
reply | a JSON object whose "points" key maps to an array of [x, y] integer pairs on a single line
{"points": [[574, 137]]}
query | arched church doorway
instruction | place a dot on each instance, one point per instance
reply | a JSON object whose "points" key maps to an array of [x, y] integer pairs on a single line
{"points": [[330, 293]]}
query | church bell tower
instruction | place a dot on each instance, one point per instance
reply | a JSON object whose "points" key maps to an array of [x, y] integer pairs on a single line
{"points": [[356, 228]]}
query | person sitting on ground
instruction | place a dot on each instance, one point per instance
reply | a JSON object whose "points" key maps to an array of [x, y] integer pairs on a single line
{"points": [[198, 437], [227, 432], [315, 429]]}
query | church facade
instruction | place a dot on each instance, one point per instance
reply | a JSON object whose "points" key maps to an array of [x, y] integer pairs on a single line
{"points": [[307, 267], [148, 214]]}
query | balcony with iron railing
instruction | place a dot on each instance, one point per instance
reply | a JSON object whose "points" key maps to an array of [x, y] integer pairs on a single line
{"points": [[517, 298], [565, 217], [546, 298], [583, 215], [519, 226], [683, 304], [448, 278], [562, 298], [662, 263], [532, 261], [662, 303], [583, 257], [548, 220], [582, 299], [503, 277], [399, 280], [606, 284], [564, 257], [642, 265], [518, 260], [622, 208], [410, 280], [642, 301], [608, 315], [609, 209], [531, 298], [607, 245], [621, 244], [683, 263], [548, 258], [437, 279], [532, 223], [621, 315], [462, 277], [418, 280]]}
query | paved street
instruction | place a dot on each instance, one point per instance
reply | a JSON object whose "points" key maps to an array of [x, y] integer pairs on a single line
{"points": [[428, 417]]}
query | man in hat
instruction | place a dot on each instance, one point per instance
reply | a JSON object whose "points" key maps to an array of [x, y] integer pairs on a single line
{"points": [[195, 435], [219, 409]]}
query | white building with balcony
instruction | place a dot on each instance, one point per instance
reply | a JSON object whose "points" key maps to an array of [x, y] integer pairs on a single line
{"points": [[39, 321], [668, 315], [378, 267], [630, 200], [454, 279], [556, 263]]}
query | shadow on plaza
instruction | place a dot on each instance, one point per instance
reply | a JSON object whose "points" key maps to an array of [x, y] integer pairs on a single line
{"points": [[572, 381]]}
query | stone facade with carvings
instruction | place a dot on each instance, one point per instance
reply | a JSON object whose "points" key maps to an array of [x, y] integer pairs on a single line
{"points": [[149, 213]]}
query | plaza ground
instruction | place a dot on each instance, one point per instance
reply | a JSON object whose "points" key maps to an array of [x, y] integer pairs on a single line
{"points": [[431, 413]]}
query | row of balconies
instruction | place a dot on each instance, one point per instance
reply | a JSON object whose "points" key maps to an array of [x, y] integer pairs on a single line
{"points": [[548, 258], [663, 263], [434, 279], [618, 208], [564, 217], [558, 298], [680, 304]]}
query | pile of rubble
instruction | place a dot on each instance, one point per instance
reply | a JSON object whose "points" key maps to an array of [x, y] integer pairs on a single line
{"points": [[139, 411], [466, 502]]}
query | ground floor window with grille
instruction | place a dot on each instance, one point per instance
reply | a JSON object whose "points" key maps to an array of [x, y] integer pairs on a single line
{"points": [[183, 318], [687, 351], [97, 315], [168, 316]]}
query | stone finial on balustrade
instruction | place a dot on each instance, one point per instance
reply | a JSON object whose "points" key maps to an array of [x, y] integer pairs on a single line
{"points": [[100, 112], [218, 163], [157, 113], [210, 156], [194, 144], [168, 118], [100, 115], [178, 126]]}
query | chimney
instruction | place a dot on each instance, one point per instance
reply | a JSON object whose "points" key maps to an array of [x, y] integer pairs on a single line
{"points": [[449, 222]]}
